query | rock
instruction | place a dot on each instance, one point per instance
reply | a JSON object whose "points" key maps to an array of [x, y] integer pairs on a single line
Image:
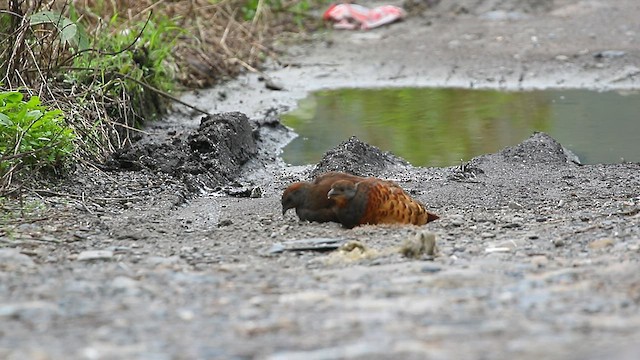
{"points": [[487, 235], [609, 54], [601, 243], [256, 192], [490, 250], [539, 261], [456, 220], [12, 259], [514, 205], [273, 85], [225, 222], [185, 314], [430, 269], [91, 255], [423, 243]]}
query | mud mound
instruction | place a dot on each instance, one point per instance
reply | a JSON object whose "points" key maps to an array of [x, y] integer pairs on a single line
{"points": [[356, 157], [208, 157], [538, 149]]}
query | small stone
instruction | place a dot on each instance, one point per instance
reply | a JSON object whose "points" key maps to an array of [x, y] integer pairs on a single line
{"points": [[256, 192], [539, 261], [423, 243], [562, 58], [273, 85], [601, 243], [558, 243], [514, 205], [430, 269], [609, 54], [91, 255], [512, 225], [457, 220], [185, 314], [497, 249], [487, 235], [224, 223]]}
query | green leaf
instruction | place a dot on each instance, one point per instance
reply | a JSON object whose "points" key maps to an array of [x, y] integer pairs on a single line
{"points": [[70, 33], [10, 97], [5, 120]]}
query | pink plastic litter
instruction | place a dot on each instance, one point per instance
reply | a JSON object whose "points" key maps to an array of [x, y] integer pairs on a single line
{"points": [[352, 16]]}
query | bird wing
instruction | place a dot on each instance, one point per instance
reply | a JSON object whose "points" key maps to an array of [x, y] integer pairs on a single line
{"points": [[388, 203]]}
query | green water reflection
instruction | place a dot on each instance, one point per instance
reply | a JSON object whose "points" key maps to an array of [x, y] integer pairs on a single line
{"points": [[439, 127]]}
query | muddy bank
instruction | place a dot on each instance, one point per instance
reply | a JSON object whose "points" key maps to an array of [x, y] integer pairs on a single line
{"points": [[538, 255]]}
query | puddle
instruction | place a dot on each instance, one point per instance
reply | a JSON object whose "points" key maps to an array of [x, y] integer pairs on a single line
{"points": [[439, 127]]}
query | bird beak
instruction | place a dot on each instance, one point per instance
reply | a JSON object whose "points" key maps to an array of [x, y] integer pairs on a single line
{"points": [[330, 193]]}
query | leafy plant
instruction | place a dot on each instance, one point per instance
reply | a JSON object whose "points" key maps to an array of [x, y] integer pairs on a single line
{"points": [[127, 64], [30, 133]]}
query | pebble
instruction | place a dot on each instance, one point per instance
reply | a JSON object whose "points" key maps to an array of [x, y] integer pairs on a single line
{"points": [[457, 220], [487, 235], [497, 249], [514, 205], [90, 255], [601, 243], [539, 261], [430, 269], [609, 54], [256, 192], [633, 247]]}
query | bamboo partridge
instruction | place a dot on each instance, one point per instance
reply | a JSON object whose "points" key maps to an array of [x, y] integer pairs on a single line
{"points": [[376, 201], [310, 198]]}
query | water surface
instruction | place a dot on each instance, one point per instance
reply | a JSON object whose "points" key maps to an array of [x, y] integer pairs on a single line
{"points": [[441, 127]]}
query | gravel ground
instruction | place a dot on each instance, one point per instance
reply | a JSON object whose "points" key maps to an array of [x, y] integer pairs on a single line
{"points": [[167, 252]]}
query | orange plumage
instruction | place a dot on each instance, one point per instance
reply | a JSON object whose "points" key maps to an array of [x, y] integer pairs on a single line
{"points": [[310, 198], [376, 201]]}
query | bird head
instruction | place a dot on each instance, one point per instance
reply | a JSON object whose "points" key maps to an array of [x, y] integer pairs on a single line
{"points": [[293, 196], [342, 189]]}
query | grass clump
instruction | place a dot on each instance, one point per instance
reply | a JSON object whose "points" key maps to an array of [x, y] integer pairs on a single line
{"points": [[31, 134]]}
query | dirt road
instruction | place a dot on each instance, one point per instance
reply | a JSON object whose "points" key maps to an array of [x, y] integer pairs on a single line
{"points": [[169, 257]]}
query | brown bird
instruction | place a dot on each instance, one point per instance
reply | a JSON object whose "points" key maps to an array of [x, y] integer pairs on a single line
{"points": [[310, 198], [376, 201]]}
